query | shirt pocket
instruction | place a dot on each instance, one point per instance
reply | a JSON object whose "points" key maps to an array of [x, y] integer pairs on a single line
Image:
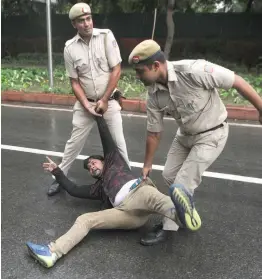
{"points": [[82, 68], [188, 105], [102, 63], [172, 110], [166, 104]]}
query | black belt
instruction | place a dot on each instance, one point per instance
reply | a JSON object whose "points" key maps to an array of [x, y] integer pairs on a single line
{"points": [[214, 128], [93, 101]]}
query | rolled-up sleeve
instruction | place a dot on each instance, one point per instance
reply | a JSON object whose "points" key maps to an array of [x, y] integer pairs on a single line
{"points": [[210, 75], [112, 50], [154, 115]]}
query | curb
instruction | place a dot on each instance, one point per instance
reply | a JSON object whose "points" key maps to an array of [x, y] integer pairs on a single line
{"points": [[133, 105]]}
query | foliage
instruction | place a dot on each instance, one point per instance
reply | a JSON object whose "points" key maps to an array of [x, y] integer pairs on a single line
{"points": [[36, 79], [21, 7], [130, 86], [33, 79], [32, 59], [232, 94]]}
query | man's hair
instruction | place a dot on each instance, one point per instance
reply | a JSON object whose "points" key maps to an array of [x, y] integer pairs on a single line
{"points": [[97, 157], [159, 56]]}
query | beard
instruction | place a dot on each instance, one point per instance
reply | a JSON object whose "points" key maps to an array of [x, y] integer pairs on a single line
{"points": [[97, 174]]}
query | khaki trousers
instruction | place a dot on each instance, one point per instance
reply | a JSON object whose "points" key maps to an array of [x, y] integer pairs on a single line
{"points": [[83, 122], [132, 213], [190, 156]]}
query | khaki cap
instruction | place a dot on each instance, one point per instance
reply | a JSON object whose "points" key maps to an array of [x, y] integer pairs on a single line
{"points": [[143, 51], [79, 9]]}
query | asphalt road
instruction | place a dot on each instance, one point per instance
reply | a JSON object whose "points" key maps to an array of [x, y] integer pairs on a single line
{"points": [[228, 246]]}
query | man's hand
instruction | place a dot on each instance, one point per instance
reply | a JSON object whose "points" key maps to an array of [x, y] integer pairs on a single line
{"points": [[101, 106], [50, 166], [146, 171], [92, 110], [81, 97]]}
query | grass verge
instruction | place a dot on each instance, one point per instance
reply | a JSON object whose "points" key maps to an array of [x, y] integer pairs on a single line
{"points": [[21, 75]]}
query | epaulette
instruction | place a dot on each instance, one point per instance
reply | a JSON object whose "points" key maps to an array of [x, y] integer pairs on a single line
{"points": [[69, 42], [182, 67], [102, 31]]}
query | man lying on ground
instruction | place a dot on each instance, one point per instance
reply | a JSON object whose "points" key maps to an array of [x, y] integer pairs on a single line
{"points": [[133, 200]]}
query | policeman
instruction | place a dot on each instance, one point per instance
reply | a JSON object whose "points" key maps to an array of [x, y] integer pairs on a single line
{"points": [[188, 91], [92, 61]]}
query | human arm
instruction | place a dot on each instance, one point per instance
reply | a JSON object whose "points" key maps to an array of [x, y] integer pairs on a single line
{"points": [[114, 62], [152, 142], [249, 93], [81, 97], [102, 104], [106, 137], [154, 130], [92, 191], [210, 75], [76, 87]]}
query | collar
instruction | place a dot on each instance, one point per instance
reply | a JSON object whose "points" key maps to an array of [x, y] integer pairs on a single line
{"points": [[171, 73], [171, 76], [94, 33], [78, 37]]}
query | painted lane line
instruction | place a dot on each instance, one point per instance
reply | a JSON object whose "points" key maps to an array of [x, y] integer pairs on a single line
{"points": [[218, 175], [124, 114], [37, 108]]}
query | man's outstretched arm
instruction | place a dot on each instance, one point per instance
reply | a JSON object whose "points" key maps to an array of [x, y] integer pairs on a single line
{"points": [[93, 191], [248, 92], [105, 135]]}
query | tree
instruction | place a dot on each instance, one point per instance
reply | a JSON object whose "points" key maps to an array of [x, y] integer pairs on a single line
{"points": [[19, 7], [170, 27], [16, 7], [249, 5]]}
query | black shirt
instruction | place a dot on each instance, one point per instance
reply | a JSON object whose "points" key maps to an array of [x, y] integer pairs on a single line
{"points": [[116, 172]]}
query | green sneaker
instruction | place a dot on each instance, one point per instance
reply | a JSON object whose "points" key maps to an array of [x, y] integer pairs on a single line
{"points": [[42, 254], [185, 207]]}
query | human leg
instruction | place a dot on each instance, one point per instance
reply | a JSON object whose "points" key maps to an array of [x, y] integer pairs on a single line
{"points": [[175, 159], [106, 219], [82, 125], [82, 122], [205, 149]]}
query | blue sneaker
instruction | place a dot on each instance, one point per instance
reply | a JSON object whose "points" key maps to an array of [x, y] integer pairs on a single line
{"points": [[42, 254], [185, 207]]}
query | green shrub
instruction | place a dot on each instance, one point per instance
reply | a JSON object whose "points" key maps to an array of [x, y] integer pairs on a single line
{"points": [[36, 79]]}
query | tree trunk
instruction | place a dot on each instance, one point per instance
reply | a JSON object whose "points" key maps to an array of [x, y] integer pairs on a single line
{"points": [[249, 4], [170, 27]]}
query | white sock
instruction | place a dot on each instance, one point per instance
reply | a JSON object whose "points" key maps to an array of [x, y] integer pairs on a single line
{"points": [[169, 225], [53, 254]]}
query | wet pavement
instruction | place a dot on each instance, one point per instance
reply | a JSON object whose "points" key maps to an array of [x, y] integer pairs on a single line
{"points": [[228, 246]]}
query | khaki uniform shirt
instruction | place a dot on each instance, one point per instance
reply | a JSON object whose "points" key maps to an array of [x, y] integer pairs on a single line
{"points": [[91, 63], [191, 98]]}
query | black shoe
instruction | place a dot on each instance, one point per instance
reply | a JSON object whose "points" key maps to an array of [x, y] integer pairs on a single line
{"points": [[53, 189], [156, 236]]}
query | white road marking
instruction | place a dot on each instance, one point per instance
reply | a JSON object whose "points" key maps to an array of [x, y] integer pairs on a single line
{"points": [[39, 108], [135, 164], [125, 114]]}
